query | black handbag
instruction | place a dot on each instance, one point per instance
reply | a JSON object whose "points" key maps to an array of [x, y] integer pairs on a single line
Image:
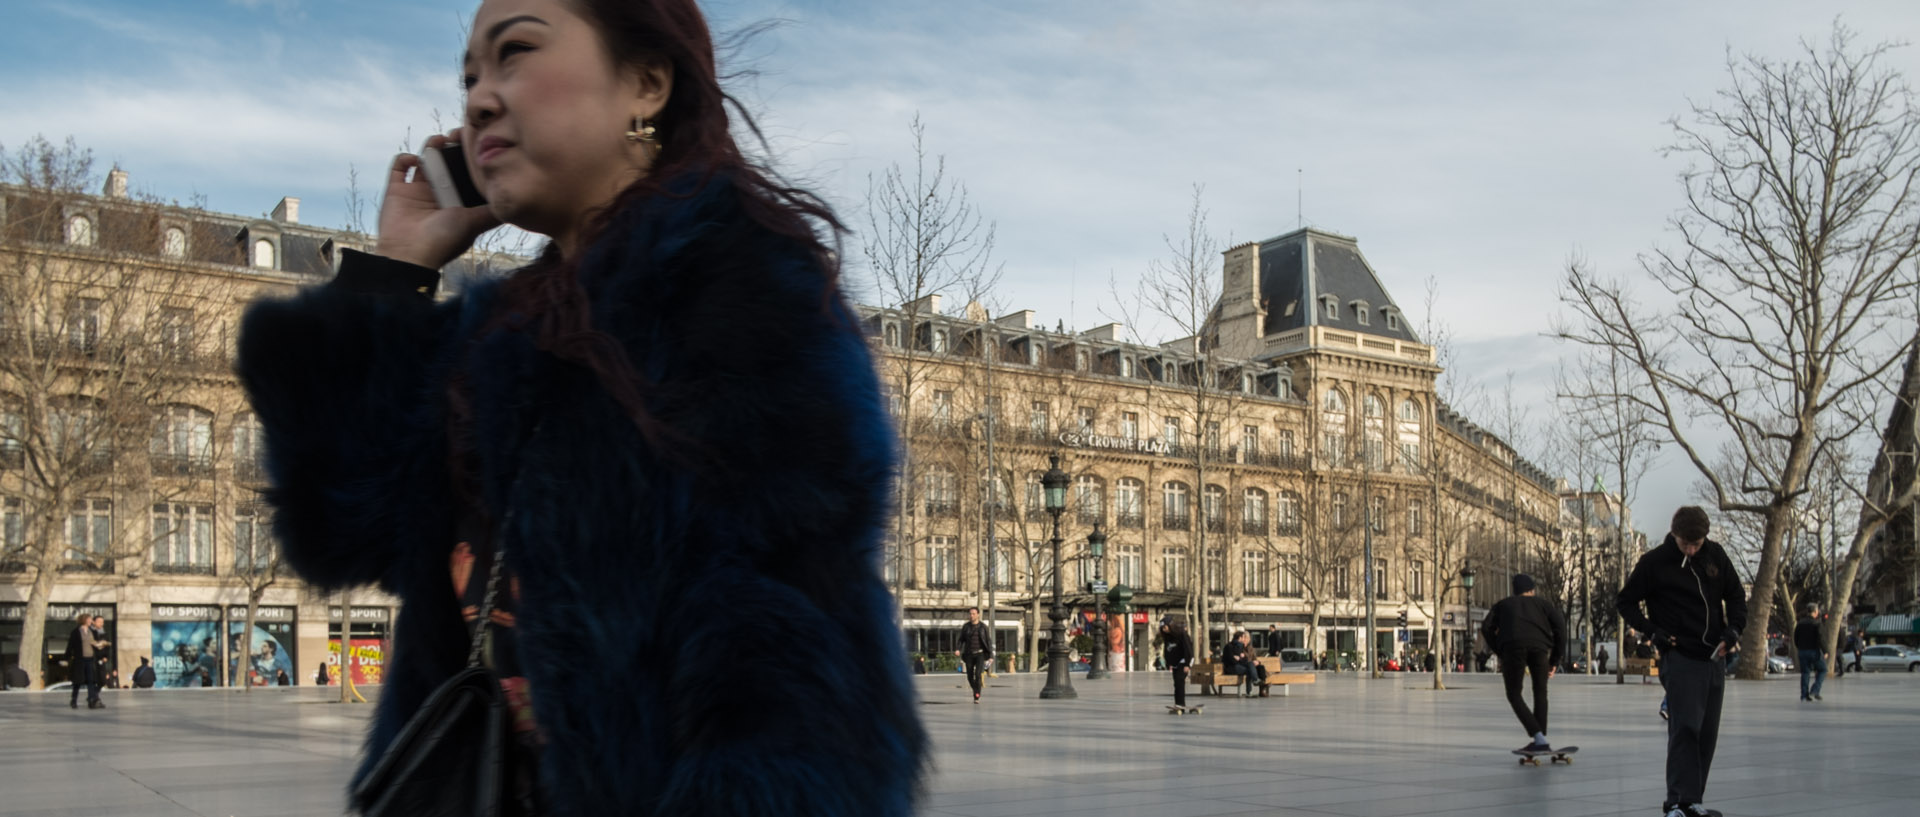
{"points": [[450, 759]]}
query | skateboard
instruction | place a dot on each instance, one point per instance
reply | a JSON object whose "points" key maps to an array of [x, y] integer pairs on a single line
{"points": [[1190, 710], [1532, 758]]}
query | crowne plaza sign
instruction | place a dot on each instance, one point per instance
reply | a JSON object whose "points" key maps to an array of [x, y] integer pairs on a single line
{"points": [[1136, 445]]}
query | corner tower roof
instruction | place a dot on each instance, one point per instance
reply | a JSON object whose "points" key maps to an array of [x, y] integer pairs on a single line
{"points": [[1303, 271]]}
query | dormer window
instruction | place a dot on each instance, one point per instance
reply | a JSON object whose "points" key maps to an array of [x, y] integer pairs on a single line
{"points": [[940, 340], [1333, 309], [1393, 319], [1361, 314], [263, 254], [892, 333], [173, 243], [79, 231], [1126, 366]]}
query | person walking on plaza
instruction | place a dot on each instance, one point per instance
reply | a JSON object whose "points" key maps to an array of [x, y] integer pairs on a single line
{"points": [[1527, 632], [1601, 659], [1176, 649], [84, 647], [1813, 659], [1856, 646], [976, 649], [1273, 640], [1694, 610], [663, 434], [1237, 659]]}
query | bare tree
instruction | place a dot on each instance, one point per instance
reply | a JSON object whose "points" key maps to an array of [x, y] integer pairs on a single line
{"points": [[111, 367], [1183, 289], [1792, 285], [924, 237], [1891, 486]]}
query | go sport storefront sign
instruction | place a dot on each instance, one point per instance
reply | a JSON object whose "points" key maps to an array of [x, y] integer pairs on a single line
{"points": [[1132, 445]]}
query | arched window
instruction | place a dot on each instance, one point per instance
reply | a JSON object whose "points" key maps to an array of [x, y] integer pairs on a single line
{"points": [[1375, 413], [263, 254], [1333, 427], [1408, 433], [1175, 511], [940, 340], [1214, 506], [80, 231], [1090, 499], [892, 334], [249, 444], [182, 441], [1129, 503], [1286, 514], [173, 243], [1253, 512]]}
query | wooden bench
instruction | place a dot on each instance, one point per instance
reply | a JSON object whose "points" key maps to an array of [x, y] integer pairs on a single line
{"points": [[1643, 667], [1208, 675]]}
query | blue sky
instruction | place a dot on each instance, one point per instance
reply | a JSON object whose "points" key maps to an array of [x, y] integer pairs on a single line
{"points": [[1478, 144]]}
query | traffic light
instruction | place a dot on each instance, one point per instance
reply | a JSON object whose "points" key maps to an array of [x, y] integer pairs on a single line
{"points": [[1403, 619]]}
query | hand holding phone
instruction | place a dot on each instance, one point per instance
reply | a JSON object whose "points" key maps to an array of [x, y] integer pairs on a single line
{"points": [[416, 226], [446, 169]]}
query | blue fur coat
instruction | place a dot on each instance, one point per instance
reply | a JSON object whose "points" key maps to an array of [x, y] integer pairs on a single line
{"points": [[698, 640]]}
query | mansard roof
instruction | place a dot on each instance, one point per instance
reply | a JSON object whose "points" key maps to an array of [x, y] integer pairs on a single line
{"points": [[1300, 271]]}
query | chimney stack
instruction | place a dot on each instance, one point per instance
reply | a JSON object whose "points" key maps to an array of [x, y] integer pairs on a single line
{"points": [[287, 211], [116, 186]]}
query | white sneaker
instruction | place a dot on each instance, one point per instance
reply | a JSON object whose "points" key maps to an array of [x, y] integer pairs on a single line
{"points": [[1697, 810]]}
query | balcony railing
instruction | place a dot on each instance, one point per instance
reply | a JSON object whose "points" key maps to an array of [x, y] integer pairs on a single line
{"points": [[1217, 524], [1253, 527], [1129, 520], [1090, 516], [1287, 528], [182, 465], [942, 507], [188, 569], [1176, 521], [252, 471], [100, 565]]}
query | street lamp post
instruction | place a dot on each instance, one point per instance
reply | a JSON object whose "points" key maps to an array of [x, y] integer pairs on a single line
{"points": [[1466, 587], [1059, 683], [1097, 550]]}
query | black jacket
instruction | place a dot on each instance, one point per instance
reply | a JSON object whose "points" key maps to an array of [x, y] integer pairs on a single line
{"points": [[1806, 635], [986, 638], [1177, 650], [1525, 622], [1235, 651], [1693, 604]]}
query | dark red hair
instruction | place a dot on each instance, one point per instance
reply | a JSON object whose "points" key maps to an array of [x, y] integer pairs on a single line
{"points": [[696, 137]]}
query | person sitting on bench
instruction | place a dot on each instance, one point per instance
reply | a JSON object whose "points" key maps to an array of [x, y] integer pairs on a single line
{"points": [[1237, 658]]}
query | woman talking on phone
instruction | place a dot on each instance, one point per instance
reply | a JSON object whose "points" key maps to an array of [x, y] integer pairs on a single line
{"points": [[605, 479]]}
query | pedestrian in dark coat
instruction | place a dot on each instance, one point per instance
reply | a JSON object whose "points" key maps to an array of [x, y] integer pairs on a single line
{"points": [[976, 650], [1176, 649], [670, 422], [1694, 610], [1529, 635]]}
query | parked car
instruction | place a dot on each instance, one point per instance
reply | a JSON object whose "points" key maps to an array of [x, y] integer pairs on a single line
{"points": [[1296, 659], [1889, 657]]}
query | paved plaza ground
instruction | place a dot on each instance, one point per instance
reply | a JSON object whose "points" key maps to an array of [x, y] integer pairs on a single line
{"points": [[1343, 746]]}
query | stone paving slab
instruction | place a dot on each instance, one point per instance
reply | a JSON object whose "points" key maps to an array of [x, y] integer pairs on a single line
{"points": [[1342, 746]]}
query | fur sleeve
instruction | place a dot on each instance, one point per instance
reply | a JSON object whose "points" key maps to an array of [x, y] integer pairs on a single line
{"points": [[751, 641], [340, 381]]}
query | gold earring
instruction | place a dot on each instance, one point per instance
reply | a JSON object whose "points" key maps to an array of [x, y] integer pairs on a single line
{"points": [[643, 133]]}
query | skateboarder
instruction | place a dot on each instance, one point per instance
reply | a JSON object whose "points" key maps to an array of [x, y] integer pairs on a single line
{"points": [[1177, 650], [976, 649], [1528, 633], [1694, 610]]}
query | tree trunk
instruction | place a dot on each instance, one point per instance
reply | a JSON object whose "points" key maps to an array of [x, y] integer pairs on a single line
{"points": [[33, 629], [1753, 640]]}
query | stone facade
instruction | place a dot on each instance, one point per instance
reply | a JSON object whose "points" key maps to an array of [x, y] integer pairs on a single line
{"points": [[1234, 474]]}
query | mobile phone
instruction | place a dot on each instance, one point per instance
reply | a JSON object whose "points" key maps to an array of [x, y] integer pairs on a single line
{"points": [[446, 169]]}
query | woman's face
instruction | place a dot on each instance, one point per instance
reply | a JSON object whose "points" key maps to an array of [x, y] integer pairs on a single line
{"points": [[547, 113]]}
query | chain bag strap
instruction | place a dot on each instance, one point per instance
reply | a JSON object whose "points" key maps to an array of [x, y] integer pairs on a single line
{"points": [[450, 758]]}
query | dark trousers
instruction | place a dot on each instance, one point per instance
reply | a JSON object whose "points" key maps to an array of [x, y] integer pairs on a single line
{"points": [[85, 672], [1814, 665], [1250, 673], [1694, 692], [1602, 660], [1179, 686], [976, 670], [1515, 664]]}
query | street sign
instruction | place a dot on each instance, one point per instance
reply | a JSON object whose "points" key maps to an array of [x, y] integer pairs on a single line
{"points": [[1096, 587], [1403, 636]]}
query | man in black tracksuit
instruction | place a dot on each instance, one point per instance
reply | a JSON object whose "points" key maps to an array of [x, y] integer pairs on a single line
{"points": [[1177, 652], [1694, 613], [1529, 635], [976, 649]]}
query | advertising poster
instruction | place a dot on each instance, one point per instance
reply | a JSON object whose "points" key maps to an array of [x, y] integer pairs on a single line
{"points": [[369, 661], [186, 653], [269, 654]]}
